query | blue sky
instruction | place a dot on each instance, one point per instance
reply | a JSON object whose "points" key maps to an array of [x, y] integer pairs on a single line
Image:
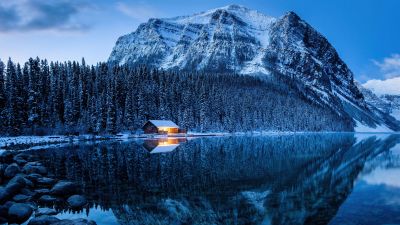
{"points": [[365, 32]]}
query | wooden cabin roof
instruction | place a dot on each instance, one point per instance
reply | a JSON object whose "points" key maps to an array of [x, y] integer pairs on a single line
{"points": [[163, 123]]}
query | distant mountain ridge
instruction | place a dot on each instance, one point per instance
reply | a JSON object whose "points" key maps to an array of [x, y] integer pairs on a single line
{"points": [[388, 103], [235, 39]]}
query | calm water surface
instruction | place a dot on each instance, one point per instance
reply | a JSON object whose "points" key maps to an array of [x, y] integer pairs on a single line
{"points": [[290, 179]]}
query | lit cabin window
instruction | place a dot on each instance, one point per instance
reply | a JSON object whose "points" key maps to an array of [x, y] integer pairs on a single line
{"points": [[164, 129]]}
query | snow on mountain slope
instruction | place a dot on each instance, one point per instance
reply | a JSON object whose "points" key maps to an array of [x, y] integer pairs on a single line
{"points": [[229, 38], [235, 39], [361, 128], [386, 94], [385, 106]]}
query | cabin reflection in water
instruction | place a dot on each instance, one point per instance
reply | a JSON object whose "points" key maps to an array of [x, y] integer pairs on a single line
{"points": [[162, 145]]}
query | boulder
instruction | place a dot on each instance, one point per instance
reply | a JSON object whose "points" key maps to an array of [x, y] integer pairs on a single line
{"points": [[8, 204], [43, 220], [20, 179], [11, 170], [13, 187], [33, 177], [4, 210], [28, 192], [3, 220], [75, 222], [3, 167], [21, 198], [64, 188], [45, 211], [20, 162], [4, 195], [19, 213], [45, 181], [47, 199], [76, 201], [42, 191], [34, 167], [22, 157], [6, 157]]}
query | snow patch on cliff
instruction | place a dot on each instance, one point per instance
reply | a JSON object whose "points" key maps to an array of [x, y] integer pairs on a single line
{"points": [[362, 128]]}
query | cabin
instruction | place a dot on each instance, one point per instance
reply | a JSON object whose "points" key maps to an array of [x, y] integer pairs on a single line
{"points": [[160, 127]]}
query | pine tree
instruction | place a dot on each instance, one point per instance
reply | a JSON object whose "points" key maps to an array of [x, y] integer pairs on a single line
{"points": [[92, 126], [129, 112], [33, 98], [187, 116], [101, 113], [51, 100], [2, 98], [163, 99], [111, 112], [141, 108], [19, 101], [43, 93], [203, 109], [69, 111], [11, 92]]}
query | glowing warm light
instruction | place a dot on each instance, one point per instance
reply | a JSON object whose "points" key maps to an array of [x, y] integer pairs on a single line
{"points": [[166, 142], [167, 129]]}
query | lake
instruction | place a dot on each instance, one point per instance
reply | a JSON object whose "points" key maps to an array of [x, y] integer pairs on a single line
{"points": [[333, 179]]}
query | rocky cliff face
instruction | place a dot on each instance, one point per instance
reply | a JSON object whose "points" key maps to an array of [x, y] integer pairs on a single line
{"points": [[234, 39]]}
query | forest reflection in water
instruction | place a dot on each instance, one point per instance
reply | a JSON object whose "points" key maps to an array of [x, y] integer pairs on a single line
{"points": [[279, 179]]}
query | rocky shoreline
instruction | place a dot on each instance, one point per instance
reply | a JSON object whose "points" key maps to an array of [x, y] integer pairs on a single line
{"points": [[28, 192]]}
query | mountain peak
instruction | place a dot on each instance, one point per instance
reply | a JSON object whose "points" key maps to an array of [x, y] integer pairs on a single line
{"points": [[292, 14], [234, 7], [249, 16]]}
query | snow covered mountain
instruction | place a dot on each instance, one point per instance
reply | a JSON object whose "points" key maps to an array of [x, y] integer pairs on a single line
{"points": [[235, 39], [385, 94], [388, 103], [393, 102], [386, 107]]}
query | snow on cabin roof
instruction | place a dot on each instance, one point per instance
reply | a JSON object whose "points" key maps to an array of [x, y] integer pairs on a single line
{"points": [[163, 123]]}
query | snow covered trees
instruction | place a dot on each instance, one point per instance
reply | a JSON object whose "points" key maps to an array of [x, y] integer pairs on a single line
{"points": [[3, 100], [56, 97]]}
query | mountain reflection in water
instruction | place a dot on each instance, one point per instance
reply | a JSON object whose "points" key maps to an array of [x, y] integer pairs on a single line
{"points": [[290, 179]]}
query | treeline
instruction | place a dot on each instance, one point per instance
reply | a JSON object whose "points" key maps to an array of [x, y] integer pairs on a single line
{"points": [[40, 98]]}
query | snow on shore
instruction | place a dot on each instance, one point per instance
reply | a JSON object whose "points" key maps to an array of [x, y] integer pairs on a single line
{"points": [[29, 141]]}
